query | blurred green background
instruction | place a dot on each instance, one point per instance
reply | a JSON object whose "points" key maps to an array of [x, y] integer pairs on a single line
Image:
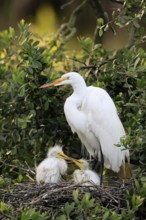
{"points": [[47, 15]]}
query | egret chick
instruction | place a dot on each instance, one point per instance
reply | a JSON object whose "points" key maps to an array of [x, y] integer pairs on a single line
{"points": [[85, 176], [51, 169]]}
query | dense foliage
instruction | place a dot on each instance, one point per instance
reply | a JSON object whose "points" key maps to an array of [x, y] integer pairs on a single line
{"points": [[33, 120]]}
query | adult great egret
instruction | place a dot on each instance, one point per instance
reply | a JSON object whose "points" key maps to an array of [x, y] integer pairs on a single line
{"points": [[53, 167], [92, 114], [85, 176]]}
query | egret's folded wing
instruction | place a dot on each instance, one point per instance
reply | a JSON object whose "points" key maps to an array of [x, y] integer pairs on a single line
{"points": [[104, 122]]}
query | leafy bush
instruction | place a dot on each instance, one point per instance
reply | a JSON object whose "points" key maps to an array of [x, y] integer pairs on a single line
{"points": [[33, 215], [87, 208], [32, 119]]}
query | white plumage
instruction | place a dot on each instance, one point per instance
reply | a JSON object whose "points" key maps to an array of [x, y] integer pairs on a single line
{"points": [[53, 167], [92, 114], [85, 176]]}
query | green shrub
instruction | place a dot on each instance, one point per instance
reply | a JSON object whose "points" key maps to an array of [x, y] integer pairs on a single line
{"points": [[32, 119]]}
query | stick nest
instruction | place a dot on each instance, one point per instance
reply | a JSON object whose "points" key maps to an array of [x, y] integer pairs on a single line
{"points": [[46, 197]]}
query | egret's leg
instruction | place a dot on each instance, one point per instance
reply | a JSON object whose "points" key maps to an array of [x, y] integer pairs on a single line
{"points": [[84, 152], [101, 168], [99, 165], [95, 165]]}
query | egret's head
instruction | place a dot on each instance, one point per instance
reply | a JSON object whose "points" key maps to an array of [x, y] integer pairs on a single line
{"points": [[57, 152], [82, 164], [68, 78]]}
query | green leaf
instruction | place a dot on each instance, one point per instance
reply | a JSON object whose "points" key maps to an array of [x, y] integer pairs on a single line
{"points": [[37, 64], [100, 32], [30, 70], [24, 125], [106, 28], [21, 120], [86, 44], [100, 21], [136, 24], [61, 217], [106, 215], [136, 62], [76, 195], [3, 207], [86, 197], [69, 208], [36, 43], [32, 214]]}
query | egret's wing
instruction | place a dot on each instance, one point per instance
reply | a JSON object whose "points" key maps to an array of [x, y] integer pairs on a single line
{"points": [[104, 122]]}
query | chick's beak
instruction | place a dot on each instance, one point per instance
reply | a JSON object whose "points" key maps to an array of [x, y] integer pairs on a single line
{"points": [[63, 156], [55, 83], [77, 162]]}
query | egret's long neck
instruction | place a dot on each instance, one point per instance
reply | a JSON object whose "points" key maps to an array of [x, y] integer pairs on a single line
{"points": [[79, 87]]}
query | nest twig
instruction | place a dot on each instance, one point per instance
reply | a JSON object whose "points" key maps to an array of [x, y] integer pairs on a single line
{"points": [[48, 197]]}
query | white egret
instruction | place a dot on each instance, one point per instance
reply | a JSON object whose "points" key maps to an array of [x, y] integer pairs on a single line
{"points": [[51, 169], [85, 176], [92, 114]]}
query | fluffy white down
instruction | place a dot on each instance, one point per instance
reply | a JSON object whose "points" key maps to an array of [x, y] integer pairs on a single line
{"points": [[86, 177], [50, 170], [53, 151], [91, 113]]}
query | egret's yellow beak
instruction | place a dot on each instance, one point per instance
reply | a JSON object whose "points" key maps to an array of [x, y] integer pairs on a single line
{"points": [[63, 156], [54, 83], [77, 162]]}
